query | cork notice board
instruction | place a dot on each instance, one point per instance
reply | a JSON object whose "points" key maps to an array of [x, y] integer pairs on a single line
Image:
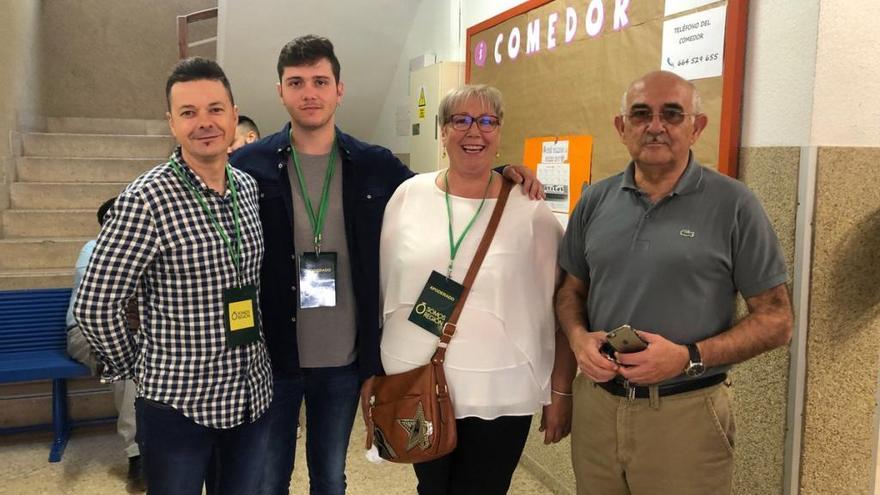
{"points": [[569, 81]]}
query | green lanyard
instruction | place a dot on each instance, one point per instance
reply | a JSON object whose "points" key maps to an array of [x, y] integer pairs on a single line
{"points": [[453, 246], [316, 221], [234, 251]]}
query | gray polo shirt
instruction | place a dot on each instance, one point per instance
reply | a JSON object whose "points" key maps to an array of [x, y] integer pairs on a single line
{"points": [[672, 267]]}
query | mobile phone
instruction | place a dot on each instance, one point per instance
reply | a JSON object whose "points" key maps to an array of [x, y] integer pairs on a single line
{"points": [[624, 339]]}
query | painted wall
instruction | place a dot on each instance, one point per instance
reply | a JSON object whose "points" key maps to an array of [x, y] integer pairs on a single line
{"points": [[375, 59], [250, 40], [780, 68], [847, 75], [439, 28], [103, 58], [19, 80], [434, 31]]}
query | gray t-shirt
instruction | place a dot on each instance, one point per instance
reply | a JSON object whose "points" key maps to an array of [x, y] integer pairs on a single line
{"points": [[326, 336], [672, 267]]}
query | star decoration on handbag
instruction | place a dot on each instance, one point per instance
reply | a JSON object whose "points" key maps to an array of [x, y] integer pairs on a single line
{"points": [[420, 430]]}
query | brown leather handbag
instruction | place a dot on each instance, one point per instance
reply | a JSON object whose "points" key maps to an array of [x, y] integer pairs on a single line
{"points": [[409, 416]]}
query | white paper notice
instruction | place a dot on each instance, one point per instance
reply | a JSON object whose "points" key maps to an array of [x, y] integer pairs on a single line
{"points": [[554, 152], [554, 172], [676, 6], [556, 178], [693, 45]]}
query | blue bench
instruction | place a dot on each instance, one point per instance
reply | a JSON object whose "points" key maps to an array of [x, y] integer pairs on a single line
{"points": [[33, 347]]}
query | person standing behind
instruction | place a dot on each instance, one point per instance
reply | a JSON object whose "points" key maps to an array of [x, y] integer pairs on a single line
{"points": [[338, 186], [246, 132], [664, 247], [187, 235], [124, 391], [498, 365]]}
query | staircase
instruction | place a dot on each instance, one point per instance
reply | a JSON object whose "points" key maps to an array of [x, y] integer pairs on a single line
{"points": [[61, 178]]}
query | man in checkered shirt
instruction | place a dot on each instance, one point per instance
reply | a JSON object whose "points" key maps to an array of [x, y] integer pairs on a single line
{"points": [[186, 238]]}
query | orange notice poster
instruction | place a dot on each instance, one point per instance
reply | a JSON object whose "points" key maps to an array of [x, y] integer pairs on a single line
{"points": [[562, 163]]}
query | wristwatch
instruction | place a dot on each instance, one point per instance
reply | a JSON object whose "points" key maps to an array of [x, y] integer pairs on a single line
{"points": [[695, 364]]}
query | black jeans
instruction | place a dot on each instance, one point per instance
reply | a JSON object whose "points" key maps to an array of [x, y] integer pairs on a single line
{"points": [[482, 463]]}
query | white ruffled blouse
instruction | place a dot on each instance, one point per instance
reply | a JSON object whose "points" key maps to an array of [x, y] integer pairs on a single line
{"points": [[500, 359]]}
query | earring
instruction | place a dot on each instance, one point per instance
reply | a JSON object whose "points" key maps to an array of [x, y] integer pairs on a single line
{"points": [[443, 155], [497, 154]]}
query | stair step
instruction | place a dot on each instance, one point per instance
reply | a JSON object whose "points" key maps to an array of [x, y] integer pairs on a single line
{"points": [[95, 145], [57, 195], [36, 278], [82, 125], [50, 223], [42, 169], [43, 253]]}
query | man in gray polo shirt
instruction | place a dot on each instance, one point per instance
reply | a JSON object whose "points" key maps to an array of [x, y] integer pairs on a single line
{"points": [[664, 247]]}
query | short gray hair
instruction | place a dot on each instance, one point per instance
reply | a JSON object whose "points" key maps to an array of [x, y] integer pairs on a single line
{"points": [[489, 96], [697, 101]]}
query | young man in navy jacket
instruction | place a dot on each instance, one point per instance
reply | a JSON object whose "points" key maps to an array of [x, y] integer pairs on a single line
{"points": [[321, 349]]}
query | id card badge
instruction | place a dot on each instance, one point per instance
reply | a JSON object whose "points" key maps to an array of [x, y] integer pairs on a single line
{"points": [[240, 315], [436, 302], [317, 280]]}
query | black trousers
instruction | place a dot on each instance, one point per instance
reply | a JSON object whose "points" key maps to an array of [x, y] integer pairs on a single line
{"points": [[482, 463]]}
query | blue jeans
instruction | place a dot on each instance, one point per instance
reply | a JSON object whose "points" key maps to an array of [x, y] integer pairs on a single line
{"points": [[176, 451], [331, 397]]}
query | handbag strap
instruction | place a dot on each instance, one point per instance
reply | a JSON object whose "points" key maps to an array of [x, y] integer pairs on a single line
{"points": [[449, 326]]}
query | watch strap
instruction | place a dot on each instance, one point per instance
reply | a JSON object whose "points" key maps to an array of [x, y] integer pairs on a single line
{"points": [[694, 353]]}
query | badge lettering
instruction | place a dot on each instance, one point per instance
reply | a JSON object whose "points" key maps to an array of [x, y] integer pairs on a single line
{"points": [[241, 315]]}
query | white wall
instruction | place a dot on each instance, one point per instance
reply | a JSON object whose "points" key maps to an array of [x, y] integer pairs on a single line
{"points": [[374, 54], [847, 75], [368, 38], [20, 81], [433, 31], [779, 72], [811, 74], [440, 28]]}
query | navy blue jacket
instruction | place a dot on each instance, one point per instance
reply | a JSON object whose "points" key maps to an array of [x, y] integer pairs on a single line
{"points": [[370, 174]]}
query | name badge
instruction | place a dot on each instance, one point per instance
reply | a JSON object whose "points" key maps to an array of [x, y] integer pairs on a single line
{"points": [[317, 280], [240, 317], [436, 302]]}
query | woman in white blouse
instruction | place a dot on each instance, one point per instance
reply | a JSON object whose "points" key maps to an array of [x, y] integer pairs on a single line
{"points": [[500, 360]]}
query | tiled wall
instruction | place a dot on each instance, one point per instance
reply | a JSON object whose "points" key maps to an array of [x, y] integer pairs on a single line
{"points": [[761, 384], [843, 348]]}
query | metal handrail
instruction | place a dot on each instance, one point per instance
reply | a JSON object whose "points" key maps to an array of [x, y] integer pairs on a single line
{"points": [[183, 22]]}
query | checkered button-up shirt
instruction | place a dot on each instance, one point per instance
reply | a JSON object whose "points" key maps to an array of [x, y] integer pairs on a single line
{"points": [[159, 242]]}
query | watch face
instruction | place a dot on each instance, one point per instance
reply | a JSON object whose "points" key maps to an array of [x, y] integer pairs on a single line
{"points": [[695, 369]]}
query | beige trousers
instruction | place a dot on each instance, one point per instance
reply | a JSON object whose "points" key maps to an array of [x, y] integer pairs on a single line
{"points": [[680, 444]]}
